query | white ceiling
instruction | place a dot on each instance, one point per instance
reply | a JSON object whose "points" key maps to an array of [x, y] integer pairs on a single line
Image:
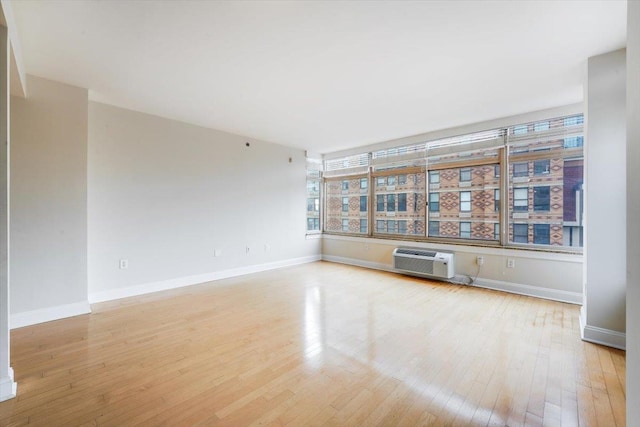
{"points": [[323, 75]]}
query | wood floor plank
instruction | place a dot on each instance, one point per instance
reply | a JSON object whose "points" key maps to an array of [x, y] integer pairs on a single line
{"points": [[317, 344]]}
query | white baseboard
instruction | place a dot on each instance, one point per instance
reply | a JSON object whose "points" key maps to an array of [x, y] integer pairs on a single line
{"points": [[358, 263], [27, 318], [601, 336], [532, 291], [180, 282], [514, 288], [8, 387]]}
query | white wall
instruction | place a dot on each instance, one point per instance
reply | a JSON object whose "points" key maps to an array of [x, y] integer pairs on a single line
{"points": [[48, 202], [633, 213], [166, 195], [546, 275], [603, 315]]}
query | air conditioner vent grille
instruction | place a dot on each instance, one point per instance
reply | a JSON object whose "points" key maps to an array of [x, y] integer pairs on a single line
{"points": [[416, 252]]}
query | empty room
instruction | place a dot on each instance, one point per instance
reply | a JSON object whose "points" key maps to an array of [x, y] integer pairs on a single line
{"points": [[331, 213]]}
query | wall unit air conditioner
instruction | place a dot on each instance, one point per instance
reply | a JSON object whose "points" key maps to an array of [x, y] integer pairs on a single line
{"points": [[424, 262]]}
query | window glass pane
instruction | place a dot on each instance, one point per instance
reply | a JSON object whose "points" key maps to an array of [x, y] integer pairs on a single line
{"points": [[496, 231], [434, 177], [402, 202], [363, 226], [364, 183], [520, 199], [521, 169], [540, 126], [465, 230], [381, 181], [555, 183], [465, 174], [541, 234], [472, 203], [519, 130], [345, 185], [391, 202], [541, 167], [402, 207], [434, 202], [496, 200], [541, 198], [391, 180], [363, 203], [342, 208], [465, 201], [520, 233], [313, 201], [434, 228]]}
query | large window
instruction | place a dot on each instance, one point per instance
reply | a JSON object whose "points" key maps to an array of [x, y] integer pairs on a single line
{"points": [[400, 203], [313, 195], [451, 189]]}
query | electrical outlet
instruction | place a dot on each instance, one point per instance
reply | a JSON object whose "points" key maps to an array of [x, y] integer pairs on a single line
{"points": [[511, 263], [479, 260], [124, 264]]}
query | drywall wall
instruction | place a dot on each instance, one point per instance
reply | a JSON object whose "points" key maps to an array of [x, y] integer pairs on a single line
{"points": [[184, 204], [8, 386], [633, 213], [48, 202], [603, 313], [542, 274]]}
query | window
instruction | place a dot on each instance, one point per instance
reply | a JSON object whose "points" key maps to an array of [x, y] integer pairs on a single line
{"points": [[465, 230], [521, 169], [541, 167], [520, 200], [434, 202], [573, 121], [363, 203], [541, 199], [541, 234], [345, 225], [462, 194], [434, 228], [391, 202], [519, 130], [313, 197], [520, 233], [540, 126], [573, 142], [465, 201], [402, 202], [434, 177], [313, 224]]}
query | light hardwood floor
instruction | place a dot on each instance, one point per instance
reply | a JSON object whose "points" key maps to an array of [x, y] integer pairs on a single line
{"points": [[318, 344]]}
